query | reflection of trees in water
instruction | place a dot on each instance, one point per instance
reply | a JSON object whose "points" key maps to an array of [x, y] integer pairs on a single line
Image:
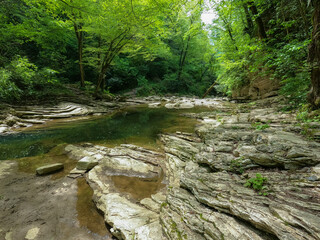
{"points": [[145, 123]]}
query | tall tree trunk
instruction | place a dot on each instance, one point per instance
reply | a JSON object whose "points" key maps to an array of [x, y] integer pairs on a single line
{"points": [[183, 56], [261, 30], [79, 35], [101, 78], [314, 58], [248, 18], [303, 13]]}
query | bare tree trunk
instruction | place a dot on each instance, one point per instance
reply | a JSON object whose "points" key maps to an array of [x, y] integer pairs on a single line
{"points": [[79, 35], [209, 90], [314, 58], [261, 30]]}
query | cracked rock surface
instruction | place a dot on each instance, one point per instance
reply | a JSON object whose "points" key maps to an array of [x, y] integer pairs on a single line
{"points": [[212, 178], [207, 197]]}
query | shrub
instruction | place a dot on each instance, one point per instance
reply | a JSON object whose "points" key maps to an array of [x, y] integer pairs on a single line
{"points": [[8, 89], [22, 79]]}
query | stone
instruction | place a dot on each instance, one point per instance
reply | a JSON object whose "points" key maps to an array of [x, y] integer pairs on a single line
{"points": [[3, 129], [32, 233], [8, 236], [186, 105], [316, 169], [185, 216], [128, 160], [11, 120], [154, 105], [313, 178], [126, 218], [86, 163], [150, 204], [49, 169]]}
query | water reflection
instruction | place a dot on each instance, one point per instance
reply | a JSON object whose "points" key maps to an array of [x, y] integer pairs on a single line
{"points": [[124, 127]]}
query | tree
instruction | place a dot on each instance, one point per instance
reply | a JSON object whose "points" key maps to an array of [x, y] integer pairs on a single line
{"points": [[72, 11], [122, 27], [314, 57]]}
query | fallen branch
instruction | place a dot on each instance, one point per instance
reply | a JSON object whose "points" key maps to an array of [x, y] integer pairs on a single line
{"points": [[209, 90]]}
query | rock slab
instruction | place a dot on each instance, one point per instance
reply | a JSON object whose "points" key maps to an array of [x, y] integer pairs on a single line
{"points": [[44, 170]]}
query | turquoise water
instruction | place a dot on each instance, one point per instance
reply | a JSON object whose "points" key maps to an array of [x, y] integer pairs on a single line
{"points": [[137, 126]]}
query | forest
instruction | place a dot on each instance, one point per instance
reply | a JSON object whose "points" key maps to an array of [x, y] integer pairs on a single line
{"points": [[158, 47], [160, 119]]}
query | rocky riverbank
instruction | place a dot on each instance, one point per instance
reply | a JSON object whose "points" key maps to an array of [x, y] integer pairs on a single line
{"points": [[14, 117], [248, 172]]}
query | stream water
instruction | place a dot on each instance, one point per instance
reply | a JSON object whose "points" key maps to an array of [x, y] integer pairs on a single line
{"points": [[133, 125], [43, 145]]}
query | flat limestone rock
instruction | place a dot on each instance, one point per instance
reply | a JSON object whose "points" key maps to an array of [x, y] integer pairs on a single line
{"points": [[154, 105], [128, 160], [49, 169], [129, 220], [86, 163]]}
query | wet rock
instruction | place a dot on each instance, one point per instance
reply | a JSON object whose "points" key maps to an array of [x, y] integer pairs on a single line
{"points": [[186, 105], [49, 169], [154, 105], [128, 219], [87, 163], [11, 120], [3, 129]]}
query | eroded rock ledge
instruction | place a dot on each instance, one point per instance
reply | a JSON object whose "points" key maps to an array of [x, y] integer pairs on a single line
{"points": [[131, 216], [206, 197], [206, 172]]}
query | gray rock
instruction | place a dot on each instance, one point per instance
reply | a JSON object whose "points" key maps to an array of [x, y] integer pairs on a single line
{"points": [[313, 178], [32, 233], [49, 169], [87, 163], [154, 105]]}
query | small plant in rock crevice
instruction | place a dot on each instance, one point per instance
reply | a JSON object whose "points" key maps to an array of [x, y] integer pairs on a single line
{"points": [[258, 183], [236, 166], [260, 126]]}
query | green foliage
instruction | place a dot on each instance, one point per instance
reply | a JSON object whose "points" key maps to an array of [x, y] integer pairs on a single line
{"points": [[23, 79], [260, 126], [236, 166], [243, 56], [291, 67], [145, 88], [158, 46], [8, 89], [258, 183]]}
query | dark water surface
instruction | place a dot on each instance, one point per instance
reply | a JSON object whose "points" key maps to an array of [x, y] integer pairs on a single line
{"points": [[138, 126]]}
